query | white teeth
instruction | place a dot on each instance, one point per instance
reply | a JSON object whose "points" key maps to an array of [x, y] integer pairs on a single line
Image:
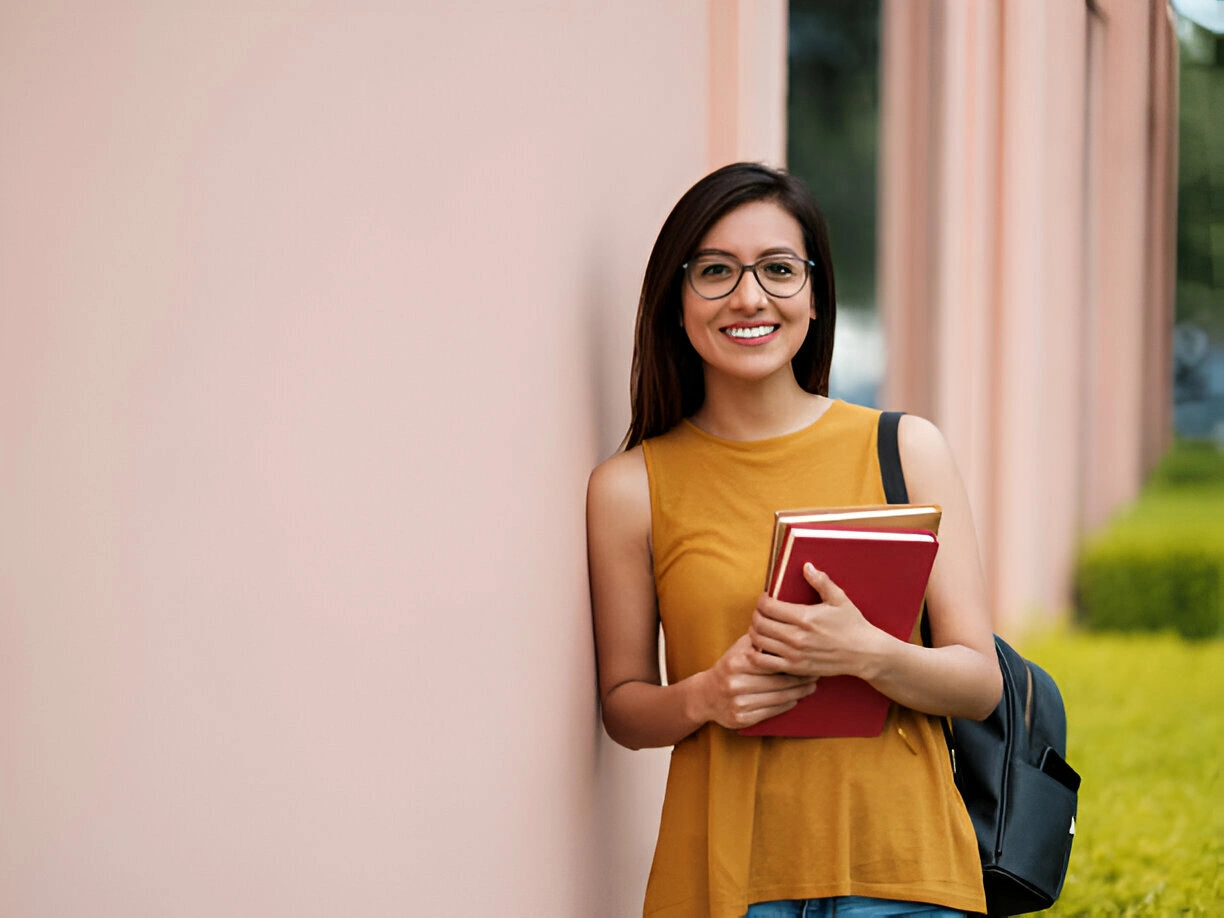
{"points": [[756, 331]]}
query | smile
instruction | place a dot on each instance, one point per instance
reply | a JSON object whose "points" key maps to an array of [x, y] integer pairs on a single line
{"points": [[750, 331]]}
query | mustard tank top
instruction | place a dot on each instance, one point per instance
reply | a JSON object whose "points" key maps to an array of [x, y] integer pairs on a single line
{"points": [[753, 819]]}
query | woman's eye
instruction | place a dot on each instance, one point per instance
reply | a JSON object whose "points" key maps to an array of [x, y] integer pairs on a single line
{"points": [[715, 269], [779, 269]]}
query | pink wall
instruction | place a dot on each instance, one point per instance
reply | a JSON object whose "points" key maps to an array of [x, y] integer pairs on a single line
{"points": [[312, 325]]}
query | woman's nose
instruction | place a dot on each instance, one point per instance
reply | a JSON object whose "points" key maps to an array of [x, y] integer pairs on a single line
{"points": [[750, 294]]}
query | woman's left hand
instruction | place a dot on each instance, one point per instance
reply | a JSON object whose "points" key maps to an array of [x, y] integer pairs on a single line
{"points": [[830, 638]]}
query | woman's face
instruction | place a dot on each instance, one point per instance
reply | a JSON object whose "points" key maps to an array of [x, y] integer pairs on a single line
{"points": [[749, 334]]}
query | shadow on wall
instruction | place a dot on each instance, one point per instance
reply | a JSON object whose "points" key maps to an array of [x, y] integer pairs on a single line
{"points": [[608, 340], [627, 785]]}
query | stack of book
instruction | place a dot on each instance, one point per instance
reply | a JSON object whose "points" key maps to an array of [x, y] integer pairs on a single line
{"points": [[881, 558]]}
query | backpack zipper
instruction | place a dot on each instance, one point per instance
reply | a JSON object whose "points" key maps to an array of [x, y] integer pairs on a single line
{"points": [[1009, 697], [1028, 700]]}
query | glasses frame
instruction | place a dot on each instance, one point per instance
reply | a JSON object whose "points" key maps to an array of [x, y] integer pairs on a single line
{"points": [[807, 263]]}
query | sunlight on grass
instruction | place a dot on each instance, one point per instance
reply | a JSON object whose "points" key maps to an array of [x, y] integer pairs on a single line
{"points": [[1146, 732]]}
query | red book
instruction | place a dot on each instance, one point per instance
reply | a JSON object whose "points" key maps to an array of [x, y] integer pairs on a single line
{"points": [[884, 572]]}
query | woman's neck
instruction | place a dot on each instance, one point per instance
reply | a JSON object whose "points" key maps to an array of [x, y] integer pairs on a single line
{"points": [[758, 410]]}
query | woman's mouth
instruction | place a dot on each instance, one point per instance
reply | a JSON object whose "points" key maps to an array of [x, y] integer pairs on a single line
{"points": [[749, 332]]}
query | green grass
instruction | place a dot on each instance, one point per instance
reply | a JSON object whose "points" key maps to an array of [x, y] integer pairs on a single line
{"points": [[1145, 717]]}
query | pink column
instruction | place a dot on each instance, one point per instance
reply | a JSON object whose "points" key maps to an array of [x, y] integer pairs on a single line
{"points": [[906, 247], [965, 247], [1119, 173], [1056, 446], [1161, 268], [747, 67]]}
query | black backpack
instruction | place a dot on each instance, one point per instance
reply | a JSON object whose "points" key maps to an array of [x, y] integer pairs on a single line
{"points": [[1010, 768]]}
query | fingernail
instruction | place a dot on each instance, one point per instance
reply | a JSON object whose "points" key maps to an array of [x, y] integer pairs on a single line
{"points": [[809, 567]]}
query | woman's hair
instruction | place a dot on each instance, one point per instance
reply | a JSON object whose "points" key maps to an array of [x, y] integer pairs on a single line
{"points": [[666, 381]]}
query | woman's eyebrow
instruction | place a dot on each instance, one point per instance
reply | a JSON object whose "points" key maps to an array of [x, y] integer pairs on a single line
{"points": [[776, 250]]}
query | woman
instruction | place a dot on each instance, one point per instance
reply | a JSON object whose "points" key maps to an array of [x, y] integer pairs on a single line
{"points": [[731, 421]]}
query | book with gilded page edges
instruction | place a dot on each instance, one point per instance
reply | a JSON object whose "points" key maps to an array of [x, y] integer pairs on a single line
{"points": [[869, 516], [884, 572]]}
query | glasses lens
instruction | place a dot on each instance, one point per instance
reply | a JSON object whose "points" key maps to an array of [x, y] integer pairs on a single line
{"points": [[713, 276], [782, 276]]}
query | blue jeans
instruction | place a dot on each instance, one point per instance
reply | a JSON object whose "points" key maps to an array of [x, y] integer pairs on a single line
{"points": [[847, 907]]}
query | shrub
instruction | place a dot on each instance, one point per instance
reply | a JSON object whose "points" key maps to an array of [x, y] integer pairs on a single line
{"points": [[1160, 563], [1135, 579], [1189, 463]]}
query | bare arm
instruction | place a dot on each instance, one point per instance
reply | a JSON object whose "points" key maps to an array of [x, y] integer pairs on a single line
{"points": [[959, 674], [638, 711]]}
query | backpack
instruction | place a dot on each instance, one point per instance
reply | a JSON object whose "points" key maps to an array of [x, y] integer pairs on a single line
{"points": [[1010, 768]]}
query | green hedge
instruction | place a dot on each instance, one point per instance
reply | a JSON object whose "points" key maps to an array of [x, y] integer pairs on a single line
{"points": [[1160, 563], [1189, 463], [1151, 580]]}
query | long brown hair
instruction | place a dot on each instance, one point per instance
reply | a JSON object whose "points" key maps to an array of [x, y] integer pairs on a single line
{"points": [[666, 381]]}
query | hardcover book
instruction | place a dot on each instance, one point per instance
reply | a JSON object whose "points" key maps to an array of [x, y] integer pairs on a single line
{"points": [[884, 572], [870, 516]]}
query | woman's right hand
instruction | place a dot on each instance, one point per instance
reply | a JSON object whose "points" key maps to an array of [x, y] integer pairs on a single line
{"points": [[735, 693]]}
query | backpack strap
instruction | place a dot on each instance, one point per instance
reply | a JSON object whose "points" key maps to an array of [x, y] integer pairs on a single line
{"points": [[895, 492], [890, 458], [893, 478]]}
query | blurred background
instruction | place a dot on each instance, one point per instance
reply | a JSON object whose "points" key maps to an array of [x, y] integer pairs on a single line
{"points": [[314, 319]]}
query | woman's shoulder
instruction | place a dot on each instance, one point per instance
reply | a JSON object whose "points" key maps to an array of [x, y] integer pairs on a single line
{"points": [[618, 500], [920, 437], [930, 466], [621, 480]]}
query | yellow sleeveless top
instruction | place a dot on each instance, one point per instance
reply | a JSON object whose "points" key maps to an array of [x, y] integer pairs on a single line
{"points": [[752, 819]]}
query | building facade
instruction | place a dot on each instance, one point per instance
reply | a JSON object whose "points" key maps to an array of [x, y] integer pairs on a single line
{"points": [[313, 321]]}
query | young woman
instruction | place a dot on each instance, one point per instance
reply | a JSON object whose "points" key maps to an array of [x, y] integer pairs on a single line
{"points": [[730, 422]]}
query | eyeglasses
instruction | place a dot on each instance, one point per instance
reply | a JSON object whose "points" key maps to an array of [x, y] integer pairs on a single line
{"points": [[714, 276]]}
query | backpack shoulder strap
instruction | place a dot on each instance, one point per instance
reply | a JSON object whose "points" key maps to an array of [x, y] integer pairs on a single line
{"points": [[893, 478], [890, 458], [895, 492]]}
